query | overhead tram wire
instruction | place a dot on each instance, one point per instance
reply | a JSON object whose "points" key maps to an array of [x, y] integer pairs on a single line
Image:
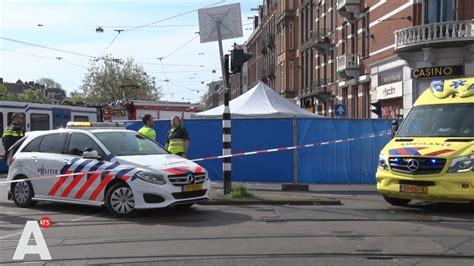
{"points": [[182, 46], [111, 42], [172, 17], [45, 57], [46, 47], [166, 77]]}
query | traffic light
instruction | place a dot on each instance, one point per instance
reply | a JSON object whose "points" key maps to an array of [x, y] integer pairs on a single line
{"points": [[377, 108], [226, 68], [238, 58]]}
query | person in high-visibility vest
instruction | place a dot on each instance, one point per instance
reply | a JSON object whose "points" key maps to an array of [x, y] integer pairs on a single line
{"points": [[177, 140], [13, 132], [147, 130]]}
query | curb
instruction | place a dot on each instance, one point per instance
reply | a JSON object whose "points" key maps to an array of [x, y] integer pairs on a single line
{"points": [[271, 202]]}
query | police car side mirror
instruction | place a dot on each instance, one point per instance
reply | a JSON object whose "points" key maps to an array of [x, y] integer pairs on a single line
{"points": [[90, 154]]}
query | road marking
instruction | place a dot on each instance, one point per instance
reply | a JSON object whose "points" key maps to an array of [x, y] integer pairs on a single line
{"points": [[14, 234], [83, 218]]}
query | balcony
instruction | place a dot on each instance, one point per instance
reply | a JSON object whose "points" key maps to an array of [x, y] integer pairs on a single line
{"points": [[347, 66], [444, 34], [320, 41], [348, 9]]}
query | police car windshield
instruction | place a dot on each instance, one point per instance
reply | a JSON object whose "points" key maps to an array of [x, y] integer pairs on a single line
{"points": [[441, 120], [129, 143]]}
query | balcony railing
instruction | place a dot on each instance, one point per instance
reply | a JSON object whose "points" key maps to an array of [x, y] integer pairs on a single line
{"points": [[444, 32], [348, 8], [347, 61], [347, 65]]}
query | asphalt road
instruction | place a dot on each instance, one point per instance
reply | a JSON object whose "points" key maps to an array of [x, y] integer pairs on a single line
{"points": [[364, 230]]}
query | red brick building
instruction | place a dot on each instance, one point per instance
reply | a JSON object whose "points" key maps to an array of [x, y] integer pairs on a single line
{"points": [[357, 52]]}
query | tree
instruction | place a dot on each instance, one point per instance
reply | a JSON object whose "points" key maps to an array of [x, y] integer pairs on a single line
{"points": [[109, 79], [5, 95], [49, 83], [33, 96], [75, 98]]}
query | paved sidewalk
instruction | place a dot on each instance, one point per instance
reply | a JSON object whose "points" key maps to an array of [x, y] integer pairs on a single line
{"points": [[271, 194]]}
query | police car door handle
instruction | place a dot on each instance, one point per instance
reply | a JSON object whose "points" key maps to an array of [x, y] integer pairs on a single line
{"points": [[34, 158], [66, 161]]}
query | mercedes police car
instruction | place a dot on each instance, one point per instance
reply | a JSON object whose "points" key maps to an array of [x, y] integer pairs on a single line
{"points": [[102, 164]]}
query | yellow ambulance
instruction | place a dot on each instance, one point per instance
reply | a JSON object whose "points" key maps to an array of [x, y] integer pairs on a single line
{"points": [[431, 156]]}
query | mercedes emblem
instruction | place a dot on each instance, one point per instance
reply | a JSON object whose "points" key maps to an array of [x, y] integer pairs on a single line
{"points": [[413, 165]]}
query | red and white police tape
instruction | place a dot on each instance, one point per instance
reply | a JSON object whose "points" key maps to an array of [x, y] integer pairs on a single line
{"points": [[318, 144], [291, 147]]}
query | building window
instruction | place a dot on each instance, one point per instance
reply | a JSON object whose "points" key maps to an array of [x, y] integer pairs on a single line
{"points": [[291, 25], [344, 95], [355, 102], [440, 11], [291, 85], [365, 50], [291, 4], [39, 122]]}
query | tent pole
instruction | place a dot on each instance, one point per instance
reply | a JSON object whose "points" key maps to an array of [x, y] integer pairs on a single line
{"points": [[295, 152]]}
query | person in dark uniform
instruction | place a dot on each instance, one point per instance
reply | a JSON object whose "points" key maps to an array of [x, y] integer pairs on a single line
{"points": [[13, 132], [177, 140]]}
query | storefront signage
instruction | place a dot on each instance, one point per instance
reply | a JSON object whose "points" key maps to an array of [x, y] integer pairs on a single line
{"points": [[389, 91], [441, 71], [390, 76]]}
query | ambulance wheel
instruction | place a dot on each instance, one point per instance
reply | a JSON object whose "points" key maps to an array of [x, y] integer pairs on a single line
{"points": [[120, 201], [23, 193], [396, 201], [183, 207]]}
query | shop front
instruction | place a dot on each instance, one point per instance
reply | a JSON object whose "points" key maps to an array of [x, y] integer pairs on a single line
{"points": [[390, 93]]}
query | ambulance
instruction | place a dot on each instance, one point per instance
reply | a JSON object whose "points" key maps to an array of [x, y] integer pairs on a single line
{"points": [[431, 156], [102, 164]]}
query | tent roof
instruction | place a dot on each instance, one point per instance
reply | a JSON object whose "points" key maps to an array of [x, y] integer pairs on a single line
{"points": [[259, 102]]}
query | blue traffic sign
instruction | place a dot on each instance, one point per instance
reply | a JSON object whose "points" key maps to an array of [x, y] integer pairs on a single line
{"points": [[340, 109]]}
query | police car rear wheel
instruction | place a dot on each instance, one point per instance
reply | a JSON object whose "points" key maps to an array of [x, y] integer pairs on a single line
{"points": [[23, 194], [120, 201], [396, 201]]}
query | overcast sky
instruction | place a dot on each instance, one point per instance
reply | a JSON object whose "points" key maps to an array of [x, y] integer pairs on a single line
{"points": [[70, 25]]}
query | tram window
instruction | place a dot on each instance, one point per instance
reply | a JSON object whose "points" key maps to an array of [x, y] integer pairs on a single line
{"points": [[39, 122], [81, 118], [9, 119]]}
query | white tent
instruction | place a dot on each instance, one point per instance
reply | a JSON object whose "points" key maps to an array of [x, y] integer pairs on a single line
{"points": [[259, 102]]}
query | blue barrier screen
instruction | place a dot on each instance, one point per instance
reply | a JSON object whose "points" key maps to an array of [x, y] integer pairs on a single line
{"points": [[342, 163]]}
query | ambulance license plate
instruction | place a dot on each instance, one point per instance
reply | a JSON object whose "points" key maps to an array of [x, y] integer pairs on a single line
{"points": [[413, 189], [192, 187]]}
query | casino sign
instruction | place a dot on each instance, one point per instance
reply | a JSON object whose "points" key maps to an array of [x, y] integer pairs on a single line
{"points": [[439, 71]]}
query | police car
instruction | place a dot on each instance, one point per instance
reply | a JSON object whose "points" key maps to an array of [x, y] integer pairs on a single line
{"points": [[102, 164]]}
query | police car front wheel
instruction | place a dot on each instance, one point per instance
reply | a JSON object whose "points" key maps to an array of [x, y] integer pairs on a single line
{"points": [[23, 193], [120, 201]]}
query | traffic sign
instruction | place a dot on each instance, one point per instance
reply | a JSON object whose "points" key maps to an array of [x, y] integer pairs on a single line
{"points": [[341, 109]]}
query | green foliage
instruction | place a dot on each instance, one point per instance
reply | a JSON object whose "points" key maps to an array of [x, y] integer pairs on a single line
{"points": [[33, 96], [109, 80], [48, 83], [5, 95], [239, 192]]}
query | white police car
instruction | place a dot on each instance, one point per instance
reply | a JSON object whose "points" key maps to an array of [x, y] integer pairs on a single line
{"points": [[100, 164]]}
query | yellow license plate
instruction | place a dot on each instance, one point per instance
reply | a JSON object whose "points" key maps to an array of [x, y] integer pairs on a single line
{"points": [[413, 189], [192, 187]]}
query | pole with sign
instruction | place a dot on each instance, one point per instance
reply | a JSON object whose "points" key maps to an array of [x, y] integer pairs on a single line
{"points": [[216, 24]]}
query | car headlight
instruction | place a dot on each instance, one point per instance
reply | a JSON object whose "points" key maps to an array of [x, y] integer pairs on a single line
{"points": [[462, 164], [151, 177], [383, 162]]}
